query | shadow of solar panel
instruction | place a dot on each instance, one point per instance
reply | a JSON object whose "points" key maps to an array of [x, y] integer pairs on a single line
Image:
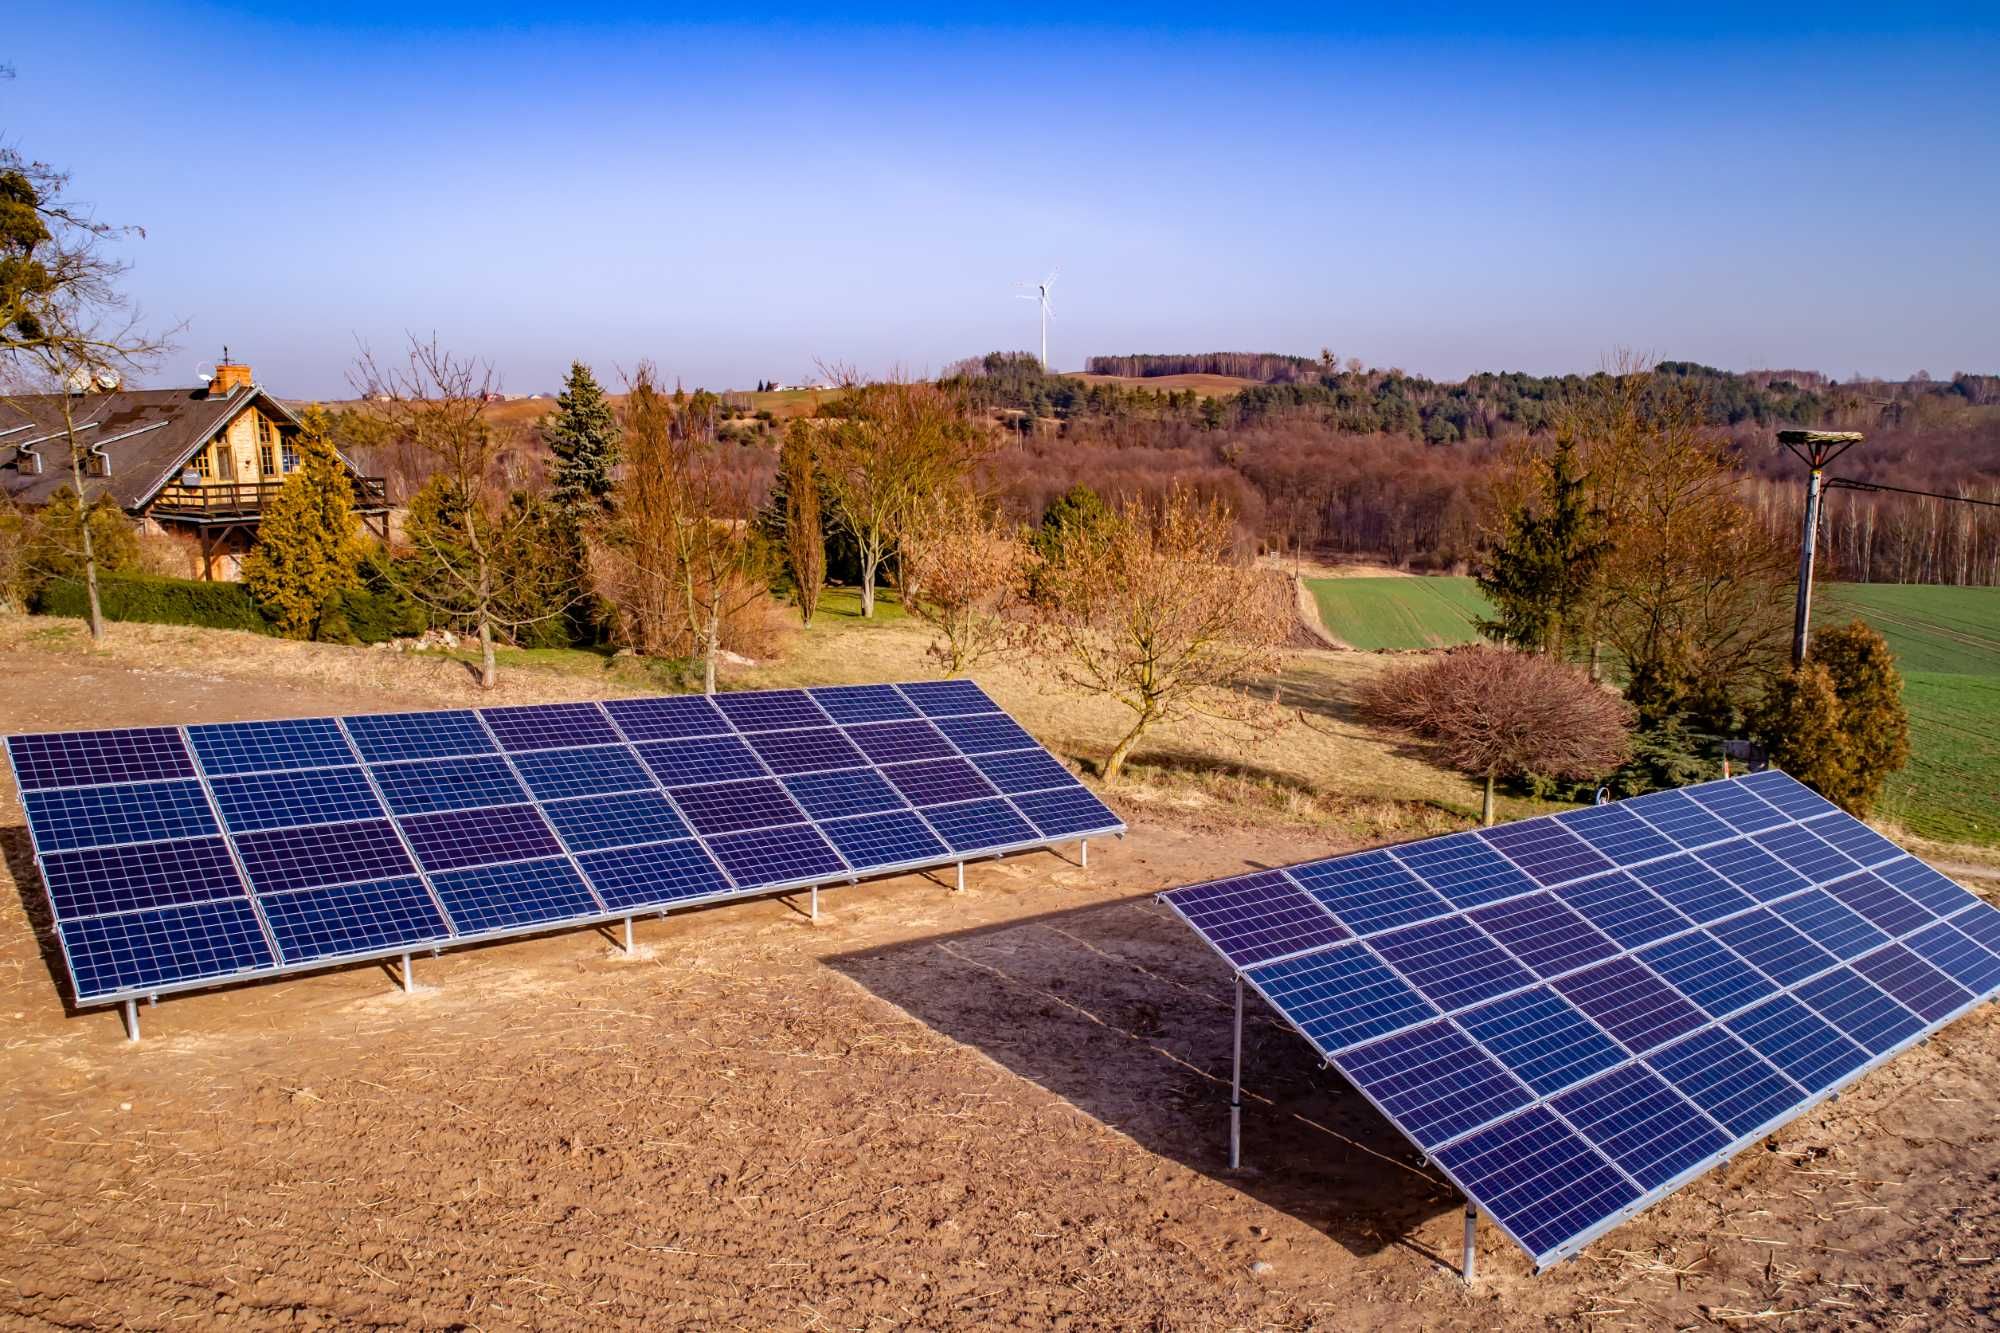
{"points": [[134, 950], [701, 759], [1812, 856], [69, 817], [1709, 973], [1066, 813], [350, 919], [1753, 870], [862, 703], [1465, 870], [592, 823], [1370, 892], [1874, 898], [1942, 896], [1024, 770], [1538, 1179], [938, 781], [1856, 839], [1544, 934], [549, 726], [598, 770], [479, 837], [1819, 916], [1736, 805], [304, 858], [897, 837], [382, 737], [1631, 1004], [1549, 852], [1340, 997], [520, 893], [1545, 1040], [985, 733], [427, 785], [1956, 954], [1650, 1131], [1433, 1082], [1694, 889], [252, 747], [1793, 797], [944, 698], [87, 758], [1252, 919], [1618, 834], [1803, 1045], [789, 855], [900, 742], [97, 880], [1451, 962], [816, 749], [1859, 1011], [1738, 1088], [288, 800], [665, 719], [725, 807], [637, 877], [1921, 988], [976, 825], [1680, 818], [771, 710], [1626, 910], [859, 791], [1773, 947]]}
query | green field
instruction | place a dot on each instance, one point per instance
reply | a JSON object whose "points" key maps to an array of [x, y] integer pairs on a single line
{"points": [[1947, 642]]}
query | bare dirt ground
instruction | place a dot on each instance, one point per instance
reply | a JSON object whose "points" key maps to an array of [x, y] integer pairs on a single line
{"points": [[1005, 1108]]}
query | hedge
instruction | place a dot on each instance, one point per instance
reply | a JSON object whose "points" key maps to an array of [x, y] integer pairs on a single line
{"points": [[152, 598]]}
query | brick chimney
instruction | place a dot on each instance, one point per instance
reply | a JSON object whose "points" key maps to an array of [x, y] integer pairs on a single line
{"points": [[229, 377]]}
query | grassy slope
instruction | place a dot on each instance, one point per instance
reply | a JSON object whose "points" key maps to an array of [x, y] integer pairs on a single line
{"points": [[1399, 613]]}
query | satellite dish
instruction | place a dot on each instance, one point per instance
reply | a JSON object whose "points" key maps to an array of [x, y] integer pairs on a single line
{"points": [[107, 380], [205, 372], [77, 381]]}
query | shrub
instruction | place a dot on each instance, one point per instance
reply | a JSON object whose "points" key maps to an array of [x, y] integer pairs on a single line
{"points": [[155, 600]]}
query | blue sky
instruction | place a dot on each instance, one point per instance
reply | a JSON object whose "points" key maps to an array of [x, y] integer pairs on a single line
{"points": [[1443, 189]]}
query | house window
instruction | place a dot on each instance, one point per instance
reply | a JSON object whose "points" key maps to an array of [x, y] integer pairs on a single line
{"points": [[225, 462], [200, 464], [267, 435], [264, 459], [289, 455]]}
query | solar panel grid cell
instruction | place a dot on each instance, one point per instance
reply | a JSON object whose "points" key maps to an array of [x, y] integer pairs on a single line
{"points": [[1624, 909], [1649, 1130], [1619, 834], [1434, 1082], [1821, 918], [479, 837], [1773, 947], [1791, 796], [1753, 870], [1874, 898], [1736, 805], [1255, 918], [1916, 985], [1465, 870], [1918, 881], [598, 770], [1707, 972], [549, 726], [1539, 1179], [1370, 892], [900, 742], [592, 823], [99, 880], [1546, 850], [861, 791], [726, 807], [862, 703], [1544, 934], [501, 897], [811, 750], [1680, 818], [69, 817], [1738, 1088], [947, 698], [976, 824], [938, 781], [1452, 962], [896, 837], [701, 759], [287, 800], [1860, 1011], [1340, 996], [348, 919], [771, 710], [776, 855], [1545, 1040], [1855, 839], [984, 733], [1982, 923], [653, 876], [1952, 952], [137, 950], [386, 737], [1798, 1042], [1627, 1000], [88, 758], [664, 719], [1024, 770], [303, 858], [428, 785], [1694, 890], [1804, 851], [251, 747], [1066, 812]]}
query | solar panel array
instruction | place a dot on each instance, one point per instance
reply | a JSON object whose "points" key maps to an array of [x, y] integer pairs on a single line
{"points": [[1573, 1016], [177, 857]]}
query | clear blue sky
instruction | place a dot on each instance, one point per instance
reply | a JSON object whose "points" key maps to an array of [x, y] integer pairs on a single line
{"points": [[739, 194]]}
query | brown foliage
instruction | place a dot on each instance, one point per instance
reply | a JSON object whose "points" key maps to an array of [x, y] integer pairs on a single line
{"points": [[962, 573], [805, 535]]}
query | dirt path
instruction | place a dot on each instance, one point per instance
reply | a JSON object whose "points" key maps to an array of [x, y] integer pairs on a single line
{"points": [[998, 1109]]}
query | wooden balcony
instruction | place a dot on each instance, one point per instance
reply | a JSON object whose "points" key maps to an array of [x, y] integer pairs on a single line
{"points": [[244, 501]]}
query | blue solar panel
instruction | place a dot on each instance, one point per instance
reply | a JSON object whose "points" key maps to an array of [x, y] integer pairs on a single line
{"points": [[1538, 1179], [787, 855], [1452, 962], [549, 726], [724, 807], [588, 824], [938, 781], [1927, 886], [1340, 996], [900, 742], [1617, 833], [1544, 1039], [772, 710], [975, 824], [1804, 851], [97, 880], [862, 703], [813, 750], [701, 759], [348, 919], [1024, 770], [1544, 934], [1982, 923], [447, 784], [1652, 1132], [1788, 1034], [520, 893], [302, 858], [479, 837], [1693, 889], [1753, 870], [1856, 839], [1738, 1088], [1623, 908], [1680, 818], [1464, 869], [1632, 1004], [944, 698], [1924, 990], [1370, 892], [286, 800], [68, 817], [1549, 852], [985, 733], [1952, 952], [1709, 973], [87, 758], [1773, 947], [1736, 805], [895, 838], [597, 770], [667, 719], [1860, 1011], [1254, 918], [253, 747], [1887, 907], [636, 877], [1789, 794], [139, 950], [1434, 1082], [1066, 813], [1819, 916], [859, 791], [390, 736]]}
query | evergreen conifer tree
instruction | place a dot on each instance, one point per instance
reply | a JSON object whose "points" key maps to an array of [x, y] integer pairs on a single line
{"points": [[306, 551], [583, 435], [1540, 573], [1874, 723], [1804, 730]]}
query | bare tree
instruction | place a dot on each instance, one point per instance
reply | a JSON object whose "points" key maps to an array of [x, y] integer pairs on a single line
{"points": [[805, 535], [1493, 713], [962, 571], [1152, 610]]}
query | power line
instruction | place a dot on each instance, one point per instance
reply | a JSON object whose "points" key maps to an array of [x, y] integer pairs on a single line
{"points": [[1847, 484]]}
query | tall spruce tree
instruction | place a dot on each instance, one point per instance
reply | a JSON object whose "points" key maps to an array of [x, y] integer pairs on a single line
{"points": [[306, 551], [1540, 573], [583, 435]]}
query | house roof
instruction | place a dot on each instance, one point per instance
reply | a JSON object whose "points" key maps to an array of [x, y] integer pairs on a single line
{"points": [[148, 434]]}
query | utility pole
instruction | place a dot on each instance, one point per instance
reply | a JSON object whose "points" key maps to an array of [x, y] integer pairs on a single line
{"points": [[1816, 449]]}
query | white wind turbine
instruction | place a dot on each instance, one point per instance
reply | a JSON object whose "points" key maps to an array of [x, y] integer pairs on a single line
{"points": [[1041, 296]]}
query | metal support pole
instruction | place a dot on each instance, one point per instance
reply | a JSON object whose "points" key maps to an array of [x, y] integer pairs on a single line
{"points": [[1471, 1233], [961, 877], [815, 902], [628, 934], [409, 980], [1083, 852], [131, 1020], [1236, 1085], [1808, 542]]}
